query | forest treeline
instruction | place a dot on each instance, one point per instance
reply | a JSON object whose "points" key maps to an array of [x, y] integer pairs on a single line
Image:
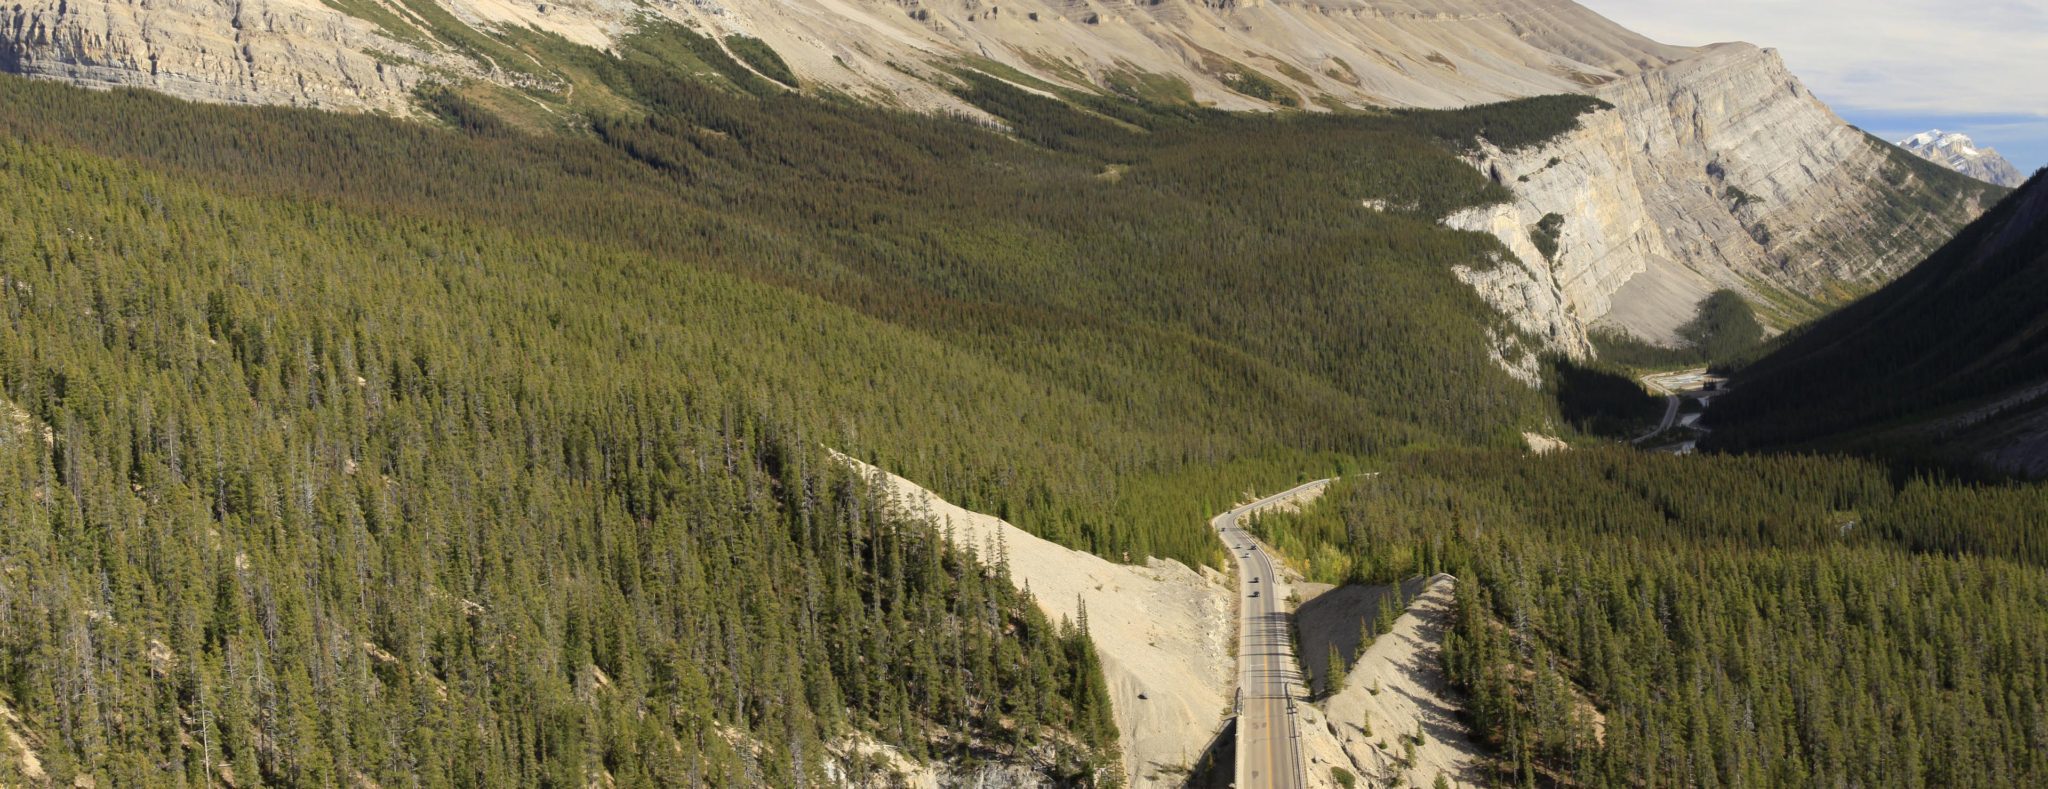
{"points": [[1202, 291], [1723, 331], [1631, 618], [346, 449], [328, 498]]}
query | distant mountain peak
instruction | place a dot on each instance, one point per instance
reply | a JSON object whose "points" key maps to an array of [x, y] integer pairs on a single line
{"points": [[1958, 152]]}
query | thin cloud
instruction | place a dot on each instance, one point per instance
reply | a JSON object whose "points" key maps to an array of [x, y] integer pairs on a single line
{"points": [[1980, 67], [1925, 56]]}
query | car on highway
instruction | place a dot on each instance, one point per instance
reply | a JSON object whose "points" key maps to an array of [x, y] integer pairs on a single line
{"points": [[1255, 593]]}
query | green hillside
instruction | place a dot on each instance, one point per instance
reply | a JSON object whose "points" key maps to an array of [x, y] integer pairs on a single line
{"points": [[1091, 278], [1766, 618], [1715, 620], [382, 451]]}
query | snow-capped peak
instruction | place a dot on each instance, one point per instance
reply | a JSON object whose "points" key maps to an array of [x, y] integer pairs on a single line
{"points": [[1960, 153], [1938, 139]]}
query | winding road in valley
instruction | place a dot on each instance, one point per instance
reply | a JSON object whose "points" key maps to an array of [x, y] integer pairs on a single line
{"points": [[1675, 386], [1670, 417], [1268, 744]]}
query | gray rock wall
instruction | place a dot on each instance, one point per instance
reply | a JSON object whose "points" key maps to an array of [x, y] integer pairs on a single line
{"points": [[1718, 171]]}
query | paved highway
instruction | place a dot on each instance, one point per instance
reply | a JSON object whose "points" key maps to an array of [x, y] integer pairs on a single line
{"points": [[1268, 746], [1675, 385], [1670, 416]]}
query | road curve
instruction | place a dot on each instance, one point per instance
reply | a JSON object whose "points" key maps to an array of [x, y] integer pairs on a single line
{"points": [[1670, 417], [1675, 385], [1268, 746]]}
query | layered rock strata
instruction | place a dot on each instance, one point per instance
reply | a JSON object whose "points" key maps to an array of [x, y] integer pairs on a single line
{"points": [[1717, 171], [1321, 53], [294, 52]]}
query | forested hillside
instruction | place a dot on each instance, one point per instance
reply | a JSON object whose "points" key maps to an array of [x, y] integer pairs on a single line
{"points": [[344, 449], [328, 497], [1086, 262], [1946, 364], [1717, 621]]}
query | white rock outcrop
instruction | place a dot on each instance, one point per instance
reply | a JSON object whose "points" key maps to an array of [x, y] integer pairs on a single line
{"points": [[1163, 631], [1718, 171], [294, 52]]}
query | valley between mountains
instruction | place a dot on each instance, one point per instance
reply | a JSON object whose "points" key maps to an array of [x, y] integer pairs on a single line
{"points": [[959, 393]]}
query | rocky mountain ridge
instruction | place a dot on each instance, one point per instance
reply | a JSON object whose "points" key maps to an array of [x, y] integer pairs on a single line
{"points": [[296, 52], [1961, 154], [369, 54], [1718, 171], [1716, 168]]}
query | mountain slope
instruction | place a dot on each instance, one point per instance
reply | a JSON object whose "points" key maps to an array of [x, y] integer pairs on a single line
{"points": [[1715, 170], [369, 54], [505, 454], [511, 508], [1718, 171], [1961, 154], [1950, 362], [1068, 265]]}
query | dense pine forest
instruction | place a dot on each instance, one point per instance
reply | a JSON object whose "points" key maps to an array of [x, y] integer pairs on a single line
{"points": [[308, 497], [347, 449], [1635, 618], [1070, 278], [493, 447]]}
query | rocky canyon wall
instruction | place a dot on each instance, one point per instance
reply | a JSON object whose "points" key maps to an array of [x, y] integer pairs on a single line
{"points": [[294, 52], [1717, 171]]}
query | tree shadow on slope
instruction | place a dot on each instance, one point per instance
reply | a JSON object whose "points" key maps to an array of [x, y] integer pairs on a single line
{"points": [[1601, 402], [1217, 769], [1337, 624]]}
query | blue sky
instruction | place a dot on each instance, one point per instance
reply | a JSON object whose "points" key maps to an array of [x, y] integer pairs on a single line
{"points": [[1893, 67]]}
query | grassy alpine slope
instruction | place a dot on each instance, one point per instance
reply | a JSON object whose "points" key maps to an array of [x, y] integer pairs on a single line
{"points": [[380, 451]]}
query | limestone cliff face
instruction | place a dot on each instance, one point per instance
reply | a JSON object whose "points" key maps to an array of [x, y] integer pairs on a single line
{"points": [[1717, 171], [296, 52], [1310, 53]]}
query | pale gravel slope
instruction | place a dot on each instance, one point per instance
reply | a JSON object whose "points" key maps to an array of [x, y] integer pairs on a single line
{"points": [[1161, 629], [1405, 665], [15, 748]]}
